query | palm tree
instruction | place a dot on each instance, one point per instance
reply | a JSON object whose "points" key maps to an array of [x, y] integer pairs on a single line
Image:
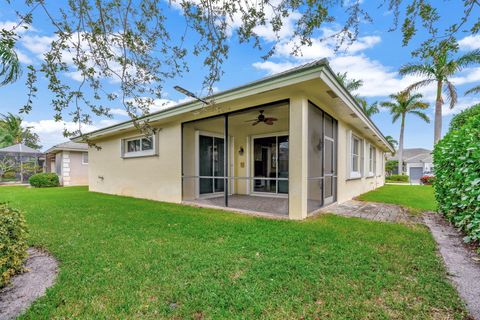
{"points": [[12, 132], [438, 68], [369, 110], [349, 84], [392, 141], [404, 103], [9, 65], [355, 84], [473, 90]]}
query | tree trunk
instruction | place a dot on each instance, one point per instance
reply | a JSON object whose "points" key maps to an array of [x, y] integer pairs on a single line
{"points": [[438, 114], [400, 146]]}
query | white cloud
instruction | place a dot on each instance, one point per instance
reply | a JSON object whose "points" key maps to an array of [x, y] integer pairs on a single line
{"points": [[51, 131], [462, 104], [118, 112], [274, 67], [23, 58], [471, 42], [13, 25], [469, 75], [36, 44]]}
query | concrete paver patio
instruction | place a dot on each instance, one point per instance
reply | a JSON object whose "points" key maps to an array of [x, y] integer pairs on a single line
{"points": [[372, 211]]}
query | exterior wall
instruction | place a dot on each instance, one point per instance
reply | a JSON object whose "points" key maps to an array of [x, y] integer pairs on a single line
{"points": [[69, 168], [78, 174], [154, 177], [350, 188]]}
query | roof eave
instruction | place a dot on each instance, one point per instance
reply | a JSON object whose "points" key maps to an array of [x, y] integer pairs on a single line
{"points": [[221, 97]]}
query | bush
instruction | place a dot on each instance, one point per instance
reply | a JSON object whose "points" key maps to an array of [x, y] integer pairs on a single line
{"points": [[43, 180], [398, 178], [428, 180], [10, 175], [460, 119], [457, 170], [13, 244]]}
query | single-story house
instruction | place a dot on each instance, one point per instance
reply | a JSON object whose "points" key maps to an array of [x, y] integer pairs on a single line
{"points": [[69, 160], [288, 144], [416, 163]]}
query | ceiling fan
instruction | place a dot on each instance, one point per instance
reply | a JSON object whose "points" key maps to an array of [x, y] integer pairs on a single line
{"points": [[261, 118]]}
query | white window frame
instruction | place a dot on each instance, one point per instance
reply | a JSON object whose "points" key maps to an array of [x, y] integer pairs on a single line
{"points": [[355, 174], [372, 160], [83, 157], [141, 153]]}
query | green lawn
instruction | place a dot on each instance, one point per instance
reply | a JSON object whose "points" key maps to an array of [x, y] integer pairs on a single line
{"points": [[417, 197], [129, 258]]}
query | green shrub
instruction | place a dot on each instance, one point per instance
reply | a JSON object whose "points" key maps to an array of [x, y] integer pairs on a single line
{"points": [[460, 119], [13, 244], [43, 180], [457, 170], [398, 178], [9, 175]]}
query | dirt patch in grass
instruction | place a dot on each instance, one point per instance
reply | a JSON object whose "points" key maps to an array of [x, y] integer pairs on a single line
{"points": [[41, 271]]}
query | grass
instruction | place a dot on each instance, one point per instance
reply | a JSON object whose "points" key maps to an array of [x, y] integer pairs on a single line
{"points": [[395, 181], [129, 258], [416, 197]]}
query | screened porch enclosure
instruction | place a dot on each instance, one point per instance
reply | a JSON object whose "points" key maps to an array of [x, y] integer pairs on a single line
{"points": [[242, 160]]}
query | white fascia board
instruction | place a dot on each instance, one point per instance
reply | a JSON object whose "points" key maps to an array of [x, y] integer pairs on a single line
{"points": [[329, 78], [241, 92]]}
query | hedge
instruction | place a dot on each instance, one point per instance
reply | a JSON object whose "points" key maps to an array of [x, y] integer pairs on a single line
{"points": [[13, 244], [397, 177], [457, 170], [460, 119], [43, 180]]}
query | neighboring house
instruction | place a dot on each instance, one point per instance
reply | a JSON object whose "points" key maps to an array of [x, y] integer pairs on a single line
{"points": [[27, 160], [69, 160], [287, 144], [416, 163]]}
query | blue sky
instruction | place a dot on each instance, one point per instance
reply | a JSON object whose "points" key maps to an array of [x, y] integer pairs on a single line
{"points": [[374, 58]]}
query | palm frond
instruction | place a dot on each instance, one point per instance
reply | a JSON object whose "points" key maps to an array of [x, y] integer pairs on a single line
{"points": [[420, 84], [422, 70], [388, 104], [395, 117], [10, 68], [451, 92], [421, 114], [473, 90], [472, 57]]}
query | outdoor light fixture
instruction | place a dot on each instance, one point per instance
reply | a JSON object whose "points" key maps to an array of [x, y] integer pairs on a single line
{"points": [[240, 151], [190, 94]]}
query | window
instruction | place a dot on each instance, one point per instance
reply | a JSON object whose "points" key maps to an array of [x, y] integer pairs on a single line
{"points": [[356, 157], [85, 158], [139, 147], [372, 161]]}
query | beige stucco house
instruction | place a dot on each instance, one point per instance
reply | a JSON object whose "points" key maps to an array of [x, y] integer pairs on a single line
{"points": [[69, 160], [288, 144]]}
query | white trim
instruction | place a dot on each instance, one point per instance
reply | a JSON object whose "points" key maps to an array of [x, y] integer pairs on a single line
{"points": [[142, 153], [231, 188], [251, 174], [355, 174], [247, 165]]}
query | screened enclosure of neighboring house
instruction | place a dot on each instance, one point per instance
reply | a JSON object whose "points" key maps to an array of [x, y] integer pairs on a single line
{"points": [[238, 160]]}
